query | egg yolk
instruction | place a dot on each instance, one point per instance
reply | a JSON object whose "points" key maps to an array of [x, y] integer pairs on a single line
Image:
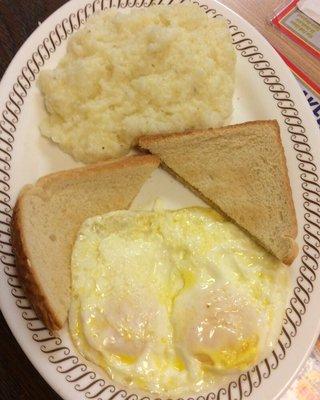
{"points": [[237, 356], [222, 329]]}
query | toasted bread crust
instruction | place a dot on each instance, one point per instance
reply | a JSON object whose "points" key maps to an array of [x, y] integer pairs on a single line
{"points": [[28, 272], [92, 169], [288, 260], [294, 230], [145, 140]]}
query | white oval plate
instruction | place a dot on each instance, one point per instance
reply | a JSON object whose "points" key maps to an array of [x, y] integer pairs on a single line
{"points": [[265, 89]]}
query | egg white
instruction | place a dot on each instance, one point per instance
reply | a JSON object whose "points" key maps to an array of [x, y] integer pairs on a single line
{"points": [[170, 301]]}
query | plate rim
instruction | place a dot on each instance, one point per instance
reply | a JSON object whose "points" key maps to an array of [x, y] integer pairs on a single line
{"points": [[78, 19]]}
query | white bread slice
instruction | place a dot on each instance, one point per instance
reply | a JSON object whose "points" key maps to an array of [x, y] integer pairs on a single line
{"points": [[46, 219], [241, 169]]}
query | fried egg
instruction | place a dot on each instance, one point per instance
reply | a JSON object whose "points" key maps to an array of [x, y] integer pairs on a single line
{"points": [[172, 301]]}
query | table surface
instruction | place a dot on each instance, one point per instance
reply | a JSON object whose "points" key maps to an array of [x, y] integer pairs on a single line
{"points": [[17, 20]]}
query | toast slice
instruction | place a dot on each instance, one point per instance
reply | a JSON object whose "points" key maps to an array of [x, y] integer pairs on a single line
{"points": [[241, 169], [46, 219]]}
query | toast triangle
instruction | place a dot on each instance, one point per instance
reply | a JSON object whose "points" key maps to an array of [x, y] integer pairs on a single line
{"points": [[46, 219], [240, 169]]}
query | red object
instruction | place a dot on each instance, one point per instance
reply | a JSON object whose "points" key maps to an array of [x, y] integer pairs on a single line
{"points": [[277, 21]]}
